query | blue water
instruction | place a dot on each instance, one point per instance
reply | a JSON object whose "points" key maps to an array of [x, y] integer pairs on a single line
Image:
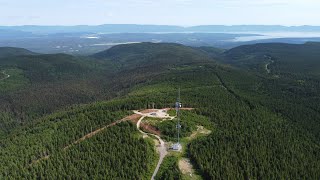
{"points": [[274, 35]]}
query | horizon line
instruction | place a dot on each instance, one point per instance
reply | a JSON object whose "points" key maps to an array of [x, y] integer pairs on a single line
{"points": [[183, 26]]}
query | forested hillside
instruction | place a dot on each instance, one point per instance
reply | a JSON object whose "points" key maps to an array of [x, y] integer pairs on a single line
{"points": [[284, 59], [41, 84], [63, 80], [149, 55], [290, 77], [249, 140], [265, 124], [41, 149], [11, 51]]}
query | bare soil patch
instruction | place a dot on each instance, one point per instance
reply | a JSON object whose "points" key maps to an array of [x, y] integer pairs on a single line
{"points": [[150, 129], [200, 131], [186, 167], [149, 110], [133, 118]]}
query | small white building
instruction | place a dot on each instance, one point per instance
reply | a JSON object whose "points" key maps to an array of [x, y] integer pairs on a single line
{"points": [[176, 147]]}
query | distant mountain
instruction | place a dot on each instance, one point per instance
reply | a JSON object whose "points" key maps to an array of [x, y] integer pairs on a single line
{"points": [[13, 34], [107, 28], [134, 28], [152, 54], [85, 40], [253, 28], [12, 51], [89, 43]]}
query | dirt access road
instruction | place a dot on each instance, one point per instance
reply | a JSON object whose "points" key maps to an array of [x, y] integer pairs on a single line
{"points": [[132, 118], [162, 149], [6, 75], [267, 67], [156, 113]]}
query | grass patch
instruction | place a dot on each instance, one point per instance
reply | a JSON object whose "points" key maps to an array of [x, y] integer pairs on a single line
{"points": [[189, 123], [172, 112], [153, 121]]}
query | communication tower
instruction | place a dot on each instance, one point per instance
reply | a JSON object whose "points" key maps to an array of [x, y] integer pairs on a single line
{"points": [[178, 105]]}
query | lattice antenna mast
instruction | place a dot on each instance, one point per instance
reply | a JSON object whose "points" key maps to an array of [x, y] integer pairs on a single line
{"points": [[178, 106]]}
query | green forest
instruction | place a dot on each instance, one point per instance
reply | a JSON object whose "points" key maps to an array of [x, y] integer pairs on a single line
{"points": [[169, 169], [117, 153], [264, 122]]}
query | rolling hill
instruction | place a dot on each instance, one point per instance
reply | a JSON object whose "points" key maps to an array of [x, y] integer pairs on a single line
{"points": [[131, 56], [286, 58], [64, 80], [291, 78], [12, 51]]}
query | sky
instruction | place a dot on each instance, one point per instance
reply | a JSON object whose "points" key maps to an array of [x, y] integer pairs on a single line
{"points": [[162, 12]]}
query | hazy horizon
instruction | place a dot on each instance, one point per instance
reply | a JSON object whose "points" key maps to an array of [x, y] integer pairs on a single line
{"points": [[177, 25], [166, 12]]}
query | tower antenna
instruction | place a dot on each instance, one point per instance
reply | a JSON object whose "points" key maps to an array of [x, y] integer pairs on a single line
{"points": [[177, 146], [178, 115]]}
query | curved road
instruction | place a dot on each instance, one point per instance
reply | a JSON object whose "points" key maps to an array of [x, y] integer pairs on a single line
{"points": [[161, 148], [7, 75], [267, 67]]}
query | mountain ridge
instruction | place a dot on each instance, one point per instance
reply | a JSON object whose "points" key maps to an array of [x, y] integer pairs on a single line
{"points": [[14, 51]]}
